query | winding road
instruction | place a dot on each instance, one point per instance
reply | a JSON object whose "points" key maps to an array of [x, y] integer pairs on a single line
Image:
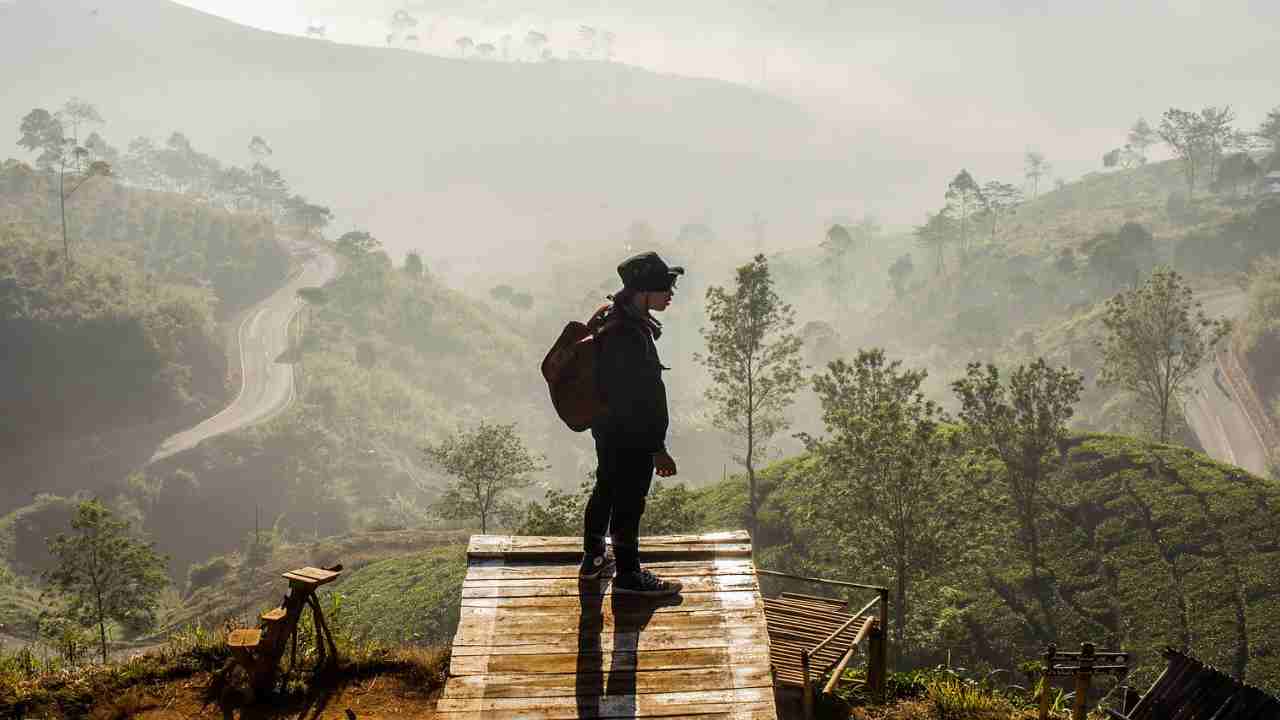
{"points": [[1214, 413], [266, 382]]}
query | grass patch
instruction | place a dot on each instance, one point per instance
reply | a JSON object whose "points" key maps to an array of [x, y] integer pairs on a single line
{"points": [[32, 686], [413, 599]]}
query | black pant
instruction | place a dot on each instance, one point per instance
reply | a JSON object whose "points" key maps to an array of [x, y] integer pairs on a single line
{"points": [[623, 477]]}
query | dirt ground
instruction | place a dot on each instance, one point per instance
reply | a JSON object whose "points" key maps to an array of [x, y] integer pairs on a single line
{"points": [[383, 696]]}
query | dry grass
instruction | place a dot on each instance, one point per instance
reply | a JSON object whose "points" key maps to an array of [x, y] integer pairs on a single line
{"points": [[190, 676]]}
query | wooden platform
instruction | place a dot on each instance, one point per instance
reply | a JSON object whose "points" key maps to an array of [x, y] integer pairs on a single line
{"points": [[534, 642]]}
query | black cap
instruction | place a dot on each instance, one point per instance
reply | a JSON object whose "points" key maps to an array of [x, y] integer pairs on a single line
{"points": [[647, 272]]}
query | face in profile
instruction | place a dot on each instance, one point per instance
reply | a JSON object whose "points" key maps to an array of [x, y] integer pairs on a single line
{"points": [[661, 299]]}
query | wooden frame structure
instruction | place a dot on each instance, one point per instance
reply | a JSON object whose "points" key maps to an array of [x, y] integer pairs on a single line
{"points": [[810, 635], [259, 650], [1082, 666], [1190, 690]]}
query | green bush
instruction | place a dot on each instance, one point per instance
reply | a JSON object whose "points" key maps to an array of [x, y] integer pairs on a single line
{"points": [[207, 573]]}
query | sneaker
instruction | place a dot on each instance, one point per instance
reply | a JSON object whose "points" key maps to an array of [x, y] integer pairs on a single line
{"points": [[643, 582], [593, 566]]}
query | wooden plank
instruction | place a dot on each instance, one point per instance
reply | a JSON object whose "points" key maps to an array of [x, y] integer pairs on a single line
{"points": [[647, 552], [478, 625], [615, 660], [729, 599], [311, 576], [244, 638], [498, 570], [524, 544], [536, 541], [275, 615], [743, 711], [606, 641], [578, 588], [512, 685], [646, 705]]}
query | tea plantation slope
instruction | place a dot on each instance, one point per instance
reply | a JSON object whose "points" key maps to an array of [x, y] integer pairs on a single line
{"points": [[1159, 545]]}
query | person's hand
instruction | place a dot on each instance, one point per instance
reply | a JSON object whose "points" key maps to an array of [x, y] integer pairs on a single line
{"points": [[663, 463]]}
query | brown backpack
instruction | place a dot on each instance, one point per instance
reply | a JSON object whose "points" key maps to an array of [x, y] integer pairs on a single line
{"points": [[570, 371]]}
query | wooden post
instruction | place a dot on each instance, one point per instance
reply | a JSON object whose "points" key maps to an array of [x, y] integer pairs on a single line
{"points": [[876, 662], [1083, 676], [808, 687], [884, 626], [1044, 680]]}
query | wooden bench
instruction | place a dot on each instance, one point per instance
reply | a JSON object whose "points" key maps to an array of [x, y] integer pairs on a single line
{"points": [[259, 650]]}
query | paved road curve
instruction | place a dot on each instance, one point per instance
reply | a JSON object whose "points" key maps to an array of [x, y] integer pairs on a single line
{"points": [[266, 383], [1214, 414]]}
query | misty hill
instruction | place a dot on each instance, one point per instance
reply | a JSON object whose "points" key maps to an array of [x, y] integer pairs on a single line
{"points": [[454, 157]]}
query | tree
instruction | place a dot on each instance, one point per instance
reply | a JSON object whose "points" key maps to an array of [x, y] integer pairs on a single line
{"points": [[1141, 137], [76, 113], [486, 462], [312, 296], [588, 35], [964, 193], [934, 235], [695, 236], [1219, 136], [259, 150], [999, 199], [357, 245], [535, 41], [1269, 130], [1035, 166], [1019, 424], [1120, 258], [1199, 140], [464, 44], [754, 360], [899, 272], [837, 246], [838, 241], [1157, 338], [100, 149], [309, 216], [882, 467], [105, 572], [1234, 170], [413, 265], [485, 50], [40, 130]]}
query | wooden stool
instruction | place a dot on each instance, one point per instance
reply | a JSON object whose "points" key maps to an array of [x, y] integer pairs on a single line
{"points": [[259, 650]]}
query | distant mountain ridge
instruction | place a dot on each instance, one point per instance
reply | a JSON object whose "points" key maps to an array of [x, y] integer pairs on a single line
{"points": [[419, 149]]}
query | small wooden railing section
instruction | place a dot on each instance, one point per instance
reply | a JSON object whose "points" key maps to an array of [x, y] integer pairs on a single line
{"points": [[809, 636]]}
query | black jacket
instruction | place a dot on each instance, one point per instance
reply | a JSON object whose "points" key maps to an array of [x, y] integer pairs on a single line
{"points": [[629, 376]]}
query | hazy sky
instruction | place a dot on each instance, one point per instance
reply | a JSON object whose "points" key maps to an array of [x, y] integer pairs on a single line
{"points": [[976, 83]]}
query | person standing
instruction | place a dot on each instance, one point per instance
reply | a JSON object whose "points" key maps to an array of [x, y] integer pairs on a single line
{"points": [[631, 437]]}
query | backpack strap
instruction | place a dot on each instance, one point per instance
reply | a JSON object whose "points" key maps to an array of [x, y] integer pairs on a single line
{"points": [[603, 320]]}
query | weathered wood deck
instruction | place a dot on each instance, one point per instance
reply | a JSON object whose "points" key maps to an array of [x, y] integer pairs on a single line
{"points": [[534, 642]]}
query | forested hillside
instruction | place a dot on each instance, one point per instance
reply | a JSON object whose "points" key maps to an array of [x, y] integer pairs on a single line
{"points": [[388, 358], [123, 331]]}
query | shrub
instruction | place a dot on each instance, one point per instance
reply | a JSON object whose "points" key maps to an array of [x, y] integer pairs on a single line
{"points": [[207, 573], [955, 699]]}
